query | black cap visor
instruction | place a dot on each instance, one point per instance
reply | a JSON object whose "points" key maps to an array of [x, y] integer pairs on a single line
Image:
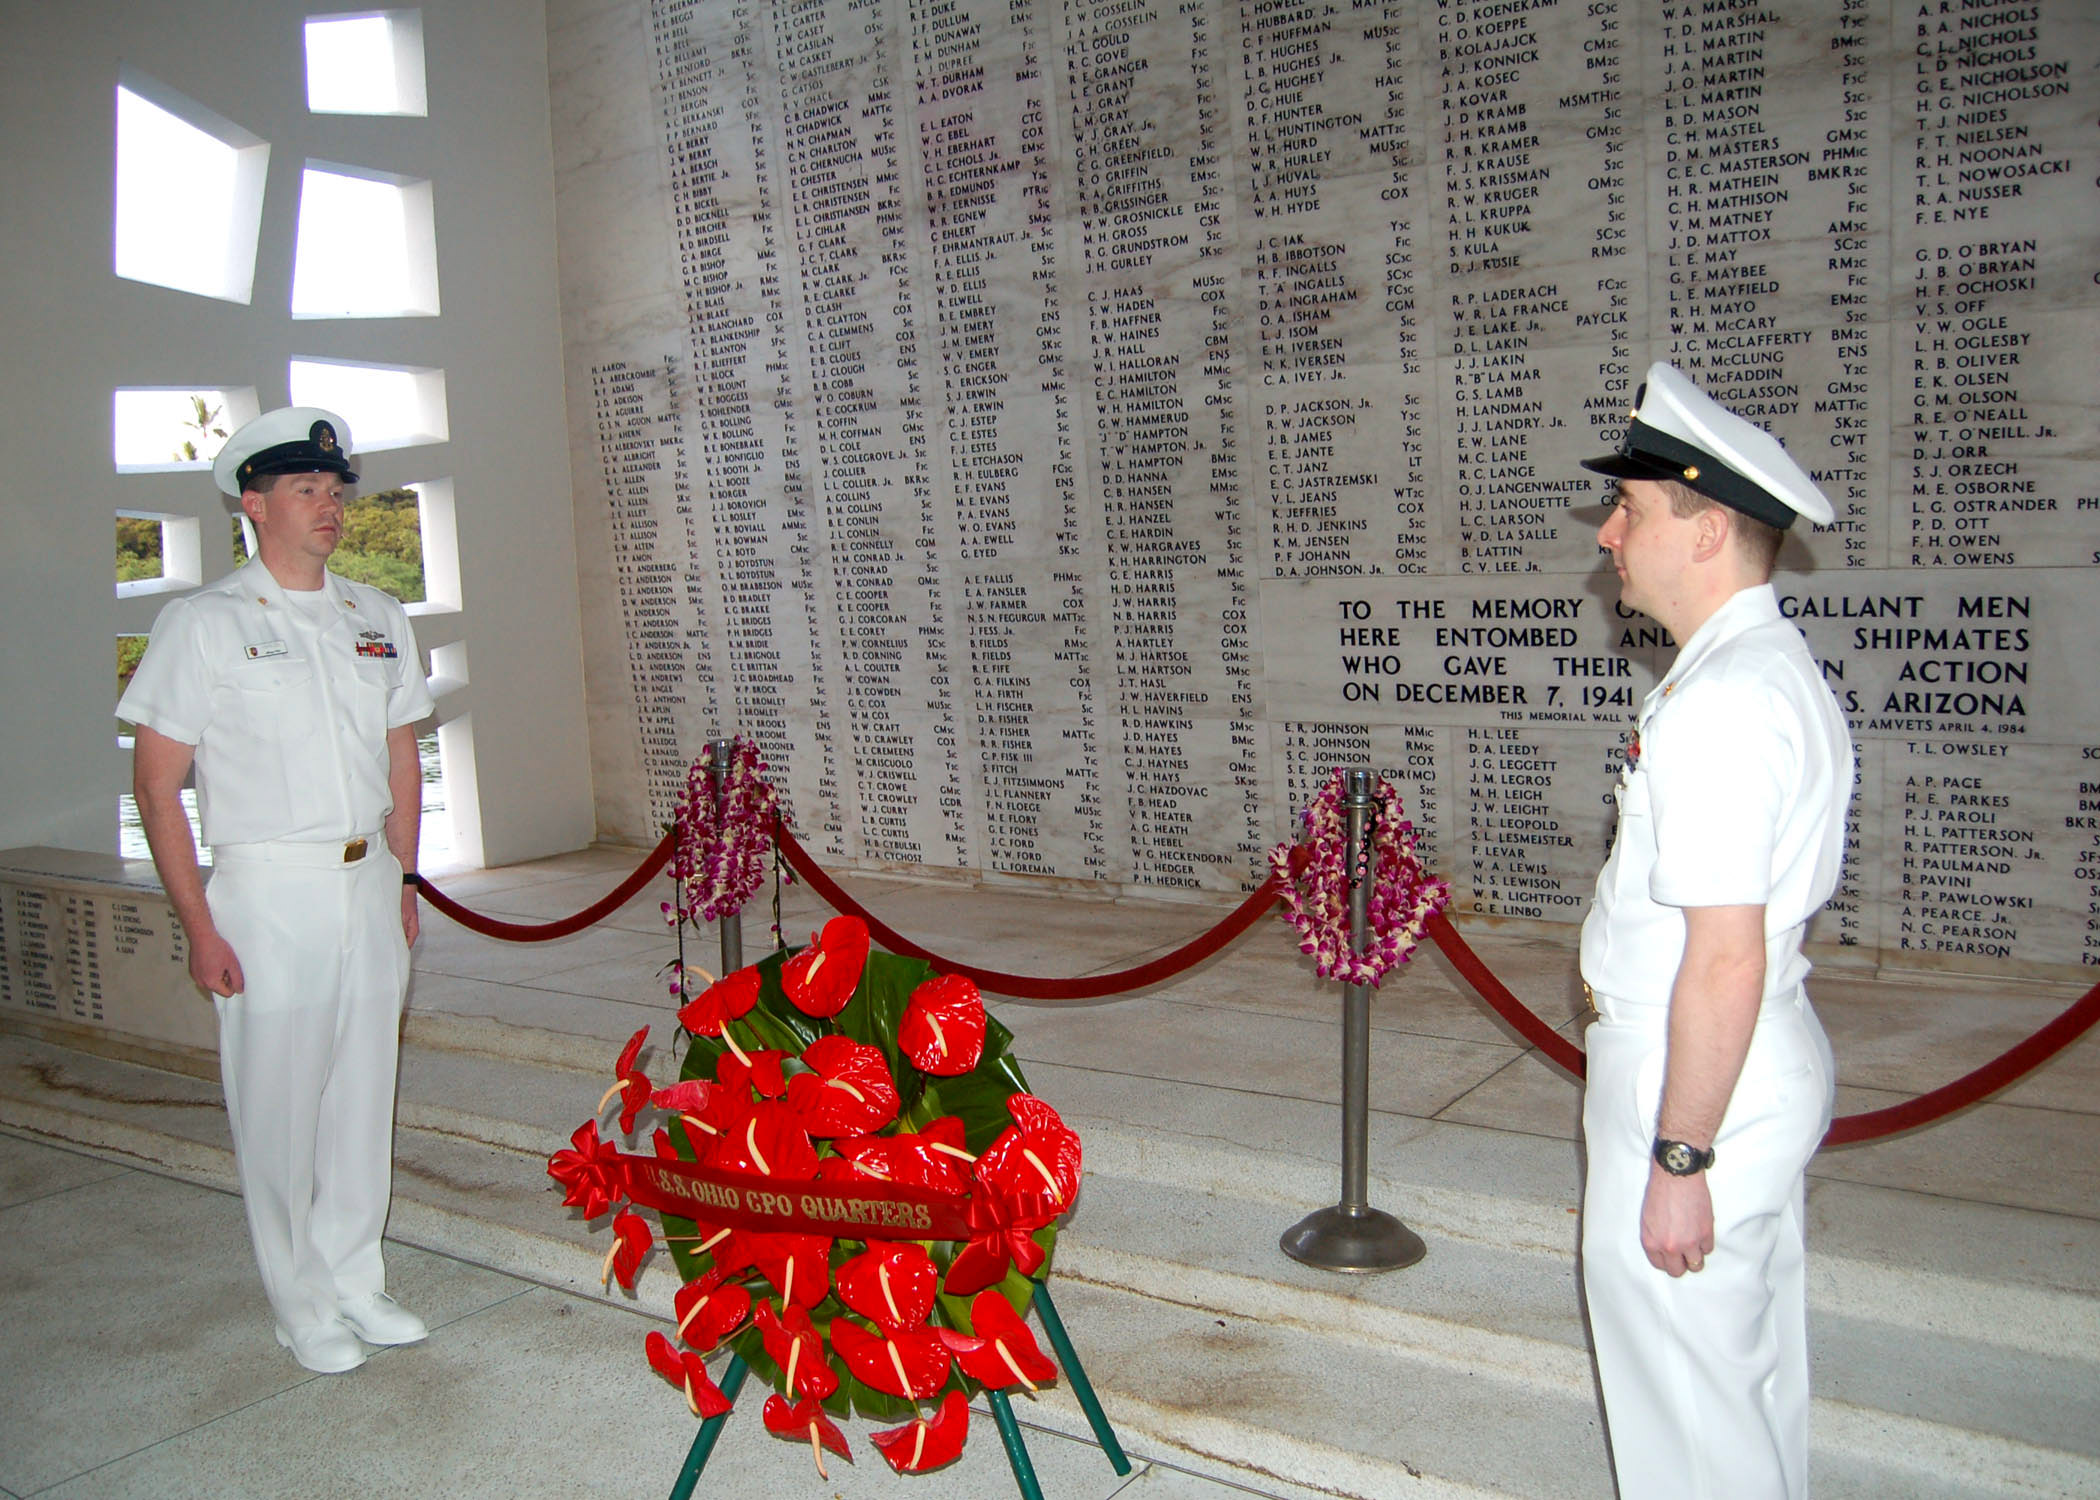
{"points": [[303, 457], [1633, 466]]}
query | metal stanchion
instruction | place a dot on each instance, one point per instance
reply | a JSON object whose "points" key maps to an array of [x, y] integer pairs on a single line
{"points": [[731, 925], [1353, 1236]]}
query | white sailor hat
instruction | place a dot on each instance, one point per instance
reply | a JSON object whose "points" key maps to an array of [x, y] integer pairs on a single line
{"points": [[1679, 432], [289, 440]]}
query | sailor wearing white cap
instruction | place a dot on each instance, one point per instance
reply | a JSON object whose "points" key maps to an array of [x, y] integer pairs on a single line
{"points": [[1710, 1079], [292, 691]]}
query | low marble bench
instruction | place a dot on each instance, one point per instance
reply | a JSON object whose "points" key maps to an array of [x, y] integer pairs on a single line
{"points": [[91, 957]]}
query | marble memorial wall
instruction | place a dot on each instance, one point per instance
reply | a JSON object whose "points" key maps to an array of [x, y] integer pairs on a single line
{"points": [[1060, 430]]}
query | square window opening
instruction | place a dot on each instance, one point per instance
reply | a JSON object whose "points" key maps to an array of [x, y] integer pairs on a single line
{"points": [[189, 191], [366, 63], [157, 554], [387, 406], [164, 429], [367, 245]]}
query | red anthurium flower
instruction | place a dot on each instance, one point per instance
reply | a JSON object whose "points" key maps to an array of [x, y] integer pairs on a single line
{"points": [[688, 1372], [891, 1284], [770, 1140], [822, 977], [631, 1052], [710, 1308], [927, 1445], [632, 1239], [704, 1109], [631, 1084], [1005, 1352], [590, 1171], [850, 1093], [731, 1248], [906, 1364], [933, 1158], [1025, 1179], [758, 1070], [943, 1027], [1034, 1165], [689, 1096], [806, 1417], [720, 1003], [798, 1265], [793, 1343]]}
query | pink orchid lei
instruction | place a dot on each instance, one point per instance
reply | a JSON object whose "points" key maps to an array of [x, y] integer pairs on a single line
{"points": [[719, 860], [1314, 885]]}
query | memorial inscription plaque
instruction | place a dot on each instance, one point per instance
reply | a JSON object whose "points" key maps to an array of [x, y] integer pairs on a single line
{"points": [[1060, 430]]}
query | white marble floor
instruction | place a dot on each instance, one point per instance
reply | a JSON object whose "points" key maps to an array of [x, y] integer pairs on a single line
{"points": [[136, 1346], [138, 1363]]}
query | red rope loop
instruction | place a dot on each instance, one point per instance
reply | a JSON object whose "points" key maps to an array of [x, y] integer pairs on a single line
{"points": [[1561, 1052], [541, 932], [2008, 1067], [1022, 986]]}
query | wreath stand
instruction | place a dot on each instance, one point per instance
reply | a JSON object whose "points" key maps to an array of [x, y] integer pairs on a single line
{"points": [[1002, 1412]]}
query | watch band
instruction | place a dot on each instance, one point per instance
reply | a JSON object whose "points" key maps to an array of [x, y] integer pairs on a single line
{"points": [[1682, 1160]]}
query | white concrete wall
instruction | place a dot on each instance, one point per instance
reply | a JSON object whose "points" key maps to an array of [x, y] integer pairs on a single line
{"points": [[73, 331]]}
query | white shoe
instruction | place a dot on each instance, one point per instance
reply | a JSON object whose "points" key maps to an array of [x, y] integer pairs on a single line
{"points": [[326, 1349], [379, 1319]]}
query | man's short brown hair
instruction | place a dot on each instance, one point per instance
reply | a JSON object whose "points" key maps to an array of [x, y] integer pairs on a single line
{"points": [[1759, 542]]}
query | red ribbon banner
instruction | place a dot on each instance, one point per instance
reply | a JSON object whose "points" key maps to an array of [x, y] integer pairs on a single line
{"points": [[750, 1200]]}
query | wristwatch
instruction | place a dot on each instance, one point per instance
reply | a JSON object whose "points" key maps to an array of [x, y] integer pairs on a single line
{"points": [[1681, 1160]]}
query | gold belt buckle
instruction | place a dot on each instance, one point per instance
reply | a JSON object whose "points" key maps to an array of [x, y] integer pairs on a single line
{"points": [[353, 851]]}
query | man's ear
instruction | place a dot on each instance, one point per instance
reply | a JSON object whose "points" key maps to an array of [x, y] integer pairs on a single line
{"points": [[1712, 532], [254, 505]]}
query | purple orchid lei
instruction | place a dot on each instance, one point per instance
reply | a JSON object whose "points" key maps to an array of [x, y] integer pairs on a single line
{"points": [[719, 860], [1315, 888]]}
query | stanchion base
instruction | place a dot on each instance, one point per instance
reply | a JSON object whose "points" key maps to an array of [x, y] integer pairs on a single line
{"points": [[1338, 1239]]}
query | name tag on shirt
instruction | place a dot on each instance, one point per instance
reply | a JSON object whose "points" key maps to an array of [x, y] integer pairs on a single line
{"points": [[268, 649]]}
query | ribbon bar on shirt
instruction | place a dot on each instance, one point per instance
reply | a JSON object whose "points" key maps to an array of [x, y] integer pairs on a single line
{"points": [[751, 1200]]}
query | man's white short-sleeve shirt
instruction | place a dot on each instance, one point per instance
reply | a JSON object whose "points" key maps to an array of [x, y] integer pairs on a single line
{"points": [[1734, 795], [288, 709]]}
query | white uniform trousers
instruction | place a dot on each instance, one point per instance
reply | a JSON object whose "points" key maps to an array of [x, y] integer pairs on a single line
{"points": [[1705, 1376], [307, 1056]]}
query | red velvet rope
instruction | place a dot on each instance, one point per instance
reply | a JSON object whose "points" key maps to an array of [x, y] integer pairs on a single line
{"points": [[1561, 1052], [2006, 1068], [541, 932], [1022, 986]]}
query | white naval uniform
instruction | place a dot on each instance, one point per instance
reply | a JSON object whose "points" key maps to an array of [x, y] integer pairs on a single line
{"points": [[1736, 797], [288, 700]]}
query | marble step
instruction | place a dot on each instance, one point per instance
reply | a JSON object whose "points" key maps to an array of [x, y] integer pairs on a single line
{"points": [[1888, 1395], [1993, 1274], [1216, 1391], [1997, 1276], [1175, 1236]]}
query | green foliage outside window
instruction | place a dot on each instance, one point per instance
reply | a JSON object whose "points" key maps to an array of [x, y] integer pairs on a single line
{"points": [[138, 549], [383, 544], [129, 649]]}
